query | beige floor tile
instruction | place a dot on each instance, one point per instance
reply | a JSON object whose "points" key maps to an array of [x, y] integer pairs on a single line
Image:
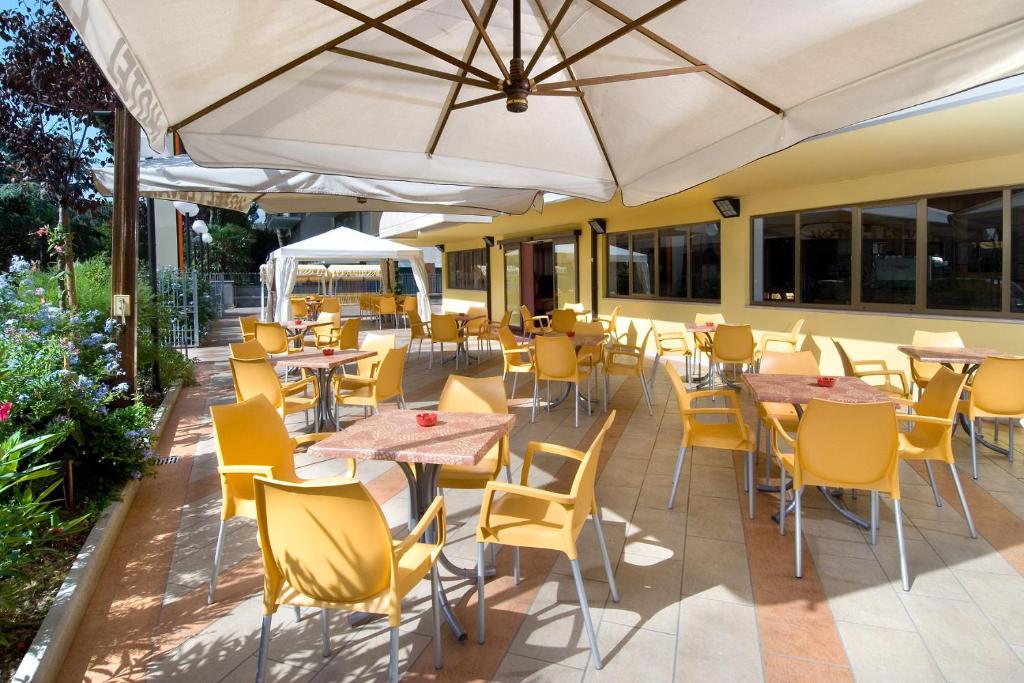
{"points": [[719, 482], [648, 594], [276, 672], [929, 575], [629, 651], [623, 472], [714, 518], [589, 552], [1001, 599], [617, 502], [871, 605], [717, 570], [881, 654], [717, 641], [656, 490], [365, 653], [657, 539], [971, 554], [516, 668]]}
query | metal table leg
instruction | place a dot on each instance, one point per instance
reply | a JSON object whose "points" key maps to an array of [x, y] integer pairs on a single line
{"points": [[836, 502]]}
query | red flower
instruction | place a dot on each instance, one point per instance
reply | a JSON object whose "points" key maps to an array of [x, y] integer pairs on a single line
{"points": [[5, 410]]}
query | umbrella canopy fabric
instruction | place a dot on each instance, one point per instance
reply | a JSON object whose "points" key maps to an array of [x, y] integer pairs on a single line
{"points": [[180, 179], [342, 245], [644, 95]]}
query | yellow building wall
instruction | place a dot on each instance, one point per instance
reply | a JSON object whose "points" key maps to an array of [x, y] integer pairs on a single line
{"points": [[865, 334]]}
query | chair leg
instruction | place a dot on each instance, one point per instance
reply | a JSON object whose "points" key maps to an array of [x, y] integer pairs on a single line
{"points": [[480, 593], [604, 555], [536, 398], [430, 363], [585, 608], [782, 500], [515, 565], [647, 392], [393, 660], [974, 449], [798, 538], [750, 483], [325, 625], [689, 374], [216, 564], [903, 549], [768, 456], [654, 367], [935, 487], [435, 609], [605, 395], [515, 376], [1009, 436], [675, 478], [576, 405], [261, 657], [298, 613], [963, 501], [547, 387], [758, 439]]}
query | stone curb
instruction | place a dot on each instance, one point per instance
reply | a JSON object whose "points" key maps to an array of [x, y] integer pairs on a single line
{"points": [[43, 660]]}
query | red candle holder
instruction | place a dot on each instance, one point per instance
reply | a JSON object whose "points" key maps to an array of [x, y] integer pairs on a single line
{"points": [[426, 419], [328, 352], [826, 381]]}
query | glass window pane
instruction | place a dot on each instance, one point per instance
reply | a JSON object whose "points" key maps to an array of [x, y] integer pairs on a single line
{"points": [[513, 288], [618, 264], [1017, 253], [705, 261], [565, 273], [775, 258], [825, 244], [965, 251], [889, 254], [672, 262], [642, 255]]}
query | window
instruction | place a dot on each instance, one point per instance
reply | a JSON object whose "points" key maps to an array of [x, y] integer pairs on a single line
{"points": [[467, 269], [1017, 251], [888, 261], [680, 262], [775, 258], [965, 252], [825, 239]]}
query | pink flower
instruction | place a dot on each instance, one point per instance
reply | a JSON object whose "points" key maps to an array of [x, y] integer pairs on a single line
{"points": [[59, 249], [43, 231], [5, 410]]}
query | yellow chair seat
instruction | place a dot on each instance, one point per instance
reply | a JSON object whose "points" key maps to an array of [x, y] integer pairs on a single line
{"points": [[297, 403], [471, 476], [915, 451], [730, 436], [783, 412], [527, 522], [890, 388], [353, 382]]}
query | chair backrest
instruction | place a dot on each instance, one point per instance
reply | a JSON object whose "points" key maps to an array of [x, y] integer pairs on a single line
{"points": [[506, 318], [794, 330], [508, 340], [476, 326], [473, 395], [563, 320], [252, 433], [589, 328], [304, 545], [577, 307], [940, 398], [417, 330], [443, 327], [997, 386], [256, 377], [330, 304], [586, 475], [682, 396], [845, 359], [783, 363], [733, 343], [381, 343], [348, 337], [525, 314], [409, 303], [924, 371], [613, 319], [333, 318], [247, 323], [247, 350], [299, 308], [704, 318], [390, 372], [850, 443], [555, 358], [272, 337], [678, 343], [388, 305]]}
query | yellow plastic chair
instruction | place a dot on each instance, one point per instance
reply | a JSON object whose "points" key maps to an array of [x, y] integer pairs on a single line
{"points": [[475, 395], [512, 354], [625, 358], [781, 363], [932, 435], [563, 320], [276, 339], [731, 345], [611, 324], [528, 517], [408, 303], [475, 327], [387, 305], [444, 328], [845, 445], [329, 546], [863, 369], [994, 393], [703, 340], [790, 340], [554, 360], [247, 324], [348, 335], [731, 435], [591, 356], [251, 440], [419, 331], [384, 384], [299, 307], [489, 333], [330, 304], [920, 372], [534, 324], [252, 350], [325, 331], [255, 377], [669, 345]]}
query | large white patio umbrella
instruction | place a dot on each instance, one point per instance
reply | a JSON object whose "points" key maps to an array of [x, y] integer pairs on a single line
{"points": [[179, 179], [578, 97]]}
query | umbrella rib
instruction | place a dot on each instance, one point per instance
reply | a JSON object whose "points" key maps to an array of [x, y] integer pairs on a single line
{"points": [[583, 100], [422, 70], [409, 40], [547, 36], [611, 37], [449, 105], [618, 78], [478, 100], [298, 61], [679, 52], [482, 30]]}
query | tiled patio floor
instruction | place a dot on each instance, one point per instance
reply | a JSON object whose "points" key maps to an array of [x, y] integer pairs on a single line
{"points": [[706, 594]]}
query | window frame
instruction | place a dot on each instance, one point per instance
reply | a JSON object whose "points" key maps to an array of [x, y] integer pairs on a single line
{"points": [[919, 307], [656, 271], [451, 271]]}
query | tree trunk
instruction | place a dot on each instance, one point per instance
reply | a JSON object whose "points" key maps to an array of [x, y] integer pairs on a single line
{"points": [[69, 292]]}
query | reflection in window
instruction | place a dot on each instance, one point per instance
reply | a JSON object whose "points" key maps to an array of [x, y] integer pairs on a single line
{"points": [[565, 273], [889, 254], [1017, 251], [672, 258], [965, 251], [513, 286], [467, 269], [775, 258], [618, 264], [705, 261], [825, 240], [642, 253]]}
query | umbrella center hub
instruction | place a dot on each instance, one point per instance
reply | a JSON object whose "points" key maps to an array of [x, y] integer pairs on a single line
{"points": [[517, 88]]}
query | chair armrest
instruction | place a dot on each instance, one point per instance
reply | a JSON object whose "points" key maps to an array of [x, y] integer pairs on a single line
{"points": [[310, 439], [435, 511], [254, 470], [709, 393], [541, 447], [778, 431], [903, 401], [519, 350], [880, 363], [564, 500], [711, 411], [628, 351], [540, 318], [884, 373], [925, 419]]}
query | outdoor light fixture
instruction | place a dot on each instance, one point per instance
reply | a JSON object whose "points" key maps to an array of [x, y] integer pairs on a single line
{"points": [[439, 247], [729, 207], [186, 208], [598, 225], [207, 238], [199, 227], [488, 240]]}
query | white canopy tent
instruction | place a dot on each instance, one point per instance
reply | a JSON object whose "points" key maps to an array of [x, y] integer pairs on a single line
{"points": [[276, 191], [342, 245], [579, 97]]}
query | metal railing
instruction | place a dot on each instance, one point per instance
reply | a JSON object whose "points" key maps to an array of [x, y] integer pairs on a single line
{"points": [[179, 292]]}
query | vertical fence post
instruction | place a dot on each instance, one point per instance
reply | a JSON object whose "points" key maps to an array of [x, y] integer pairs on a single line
{"points": [[124, 238]]}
